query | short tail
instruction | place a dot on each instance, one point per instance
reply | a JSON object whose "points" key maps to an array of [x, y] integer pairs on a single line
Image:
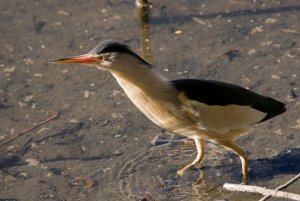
{"points": [[273, 108]]}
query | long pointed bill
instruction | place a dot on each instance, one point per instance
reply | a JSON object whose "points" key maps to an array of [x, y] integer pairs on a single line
{"points": [[81, 59]]}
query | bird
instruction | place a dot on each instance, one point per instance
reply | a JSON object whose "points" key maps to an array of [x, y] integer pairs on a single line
{"points": [[200, 109]]}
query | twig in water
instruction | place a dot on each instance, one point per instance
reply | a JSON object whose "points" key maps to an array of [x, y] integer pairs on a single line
{"points": [[30, 129], [159, 142], [282, 186], [261, 190]]}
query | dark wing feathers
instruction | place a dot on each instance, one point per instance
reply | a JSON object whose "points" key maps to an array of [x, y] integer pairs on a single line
{"points": [[221, 93]]}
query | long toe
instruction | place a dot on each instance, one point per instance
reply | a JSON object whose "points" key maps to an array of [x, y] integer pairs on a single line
{"points": [[182, 171]]}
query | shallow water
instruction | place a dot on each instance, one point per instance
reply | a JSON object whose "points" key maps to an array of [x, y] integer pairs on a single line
{"points": [[99, 147]]}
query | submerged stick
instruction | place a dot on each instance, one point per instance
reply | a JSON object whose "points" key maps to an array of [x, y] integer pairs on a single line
{"points": [[157, 142], [260, 190], [30, 129]]}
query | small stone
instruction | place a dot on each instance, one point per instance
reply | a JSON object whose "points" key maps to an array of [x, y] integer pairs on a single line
{"points": [[289, 55], [32, 162], [73, 121], [297, 124], [37, 75], [9, 48], [9, 69], [21, 104], [290, 31], [114, 115], [117, 153], [29, 47], [29, 99], [10, 148], [42, 130], [117, 17], [275, 77], [245, 79], [162, 49], [65, 71], [34, 146], [252, 51], [116, 92], [266, 43], [256, 30], [49, 174], [56, 23], [289, 98], [28, 61], [256, 67], [12, 131], [270, 21], [62, 12], [44, 167], [278, 131], [87, 93], [103, 123], [117, 136], [106, 169], [23, 174], [178, 32]]}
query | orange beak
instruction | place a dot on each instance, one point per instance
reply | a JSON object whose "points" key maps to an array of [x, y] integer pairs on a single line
{"points": [[81, 59]]}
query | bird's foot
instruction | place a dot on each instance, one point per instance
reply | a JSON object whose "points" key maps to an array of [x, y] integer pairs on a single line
{"points": [[245, 180], [181, 171]]}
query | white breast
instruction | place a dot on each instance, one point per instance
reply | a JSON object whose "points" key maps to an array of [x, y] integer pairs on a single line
{"points": [[156, 110]]}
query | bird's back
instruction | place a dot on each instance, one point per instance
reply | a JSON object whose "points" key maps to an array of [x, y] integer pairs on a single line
{"points": [[223, 94]]}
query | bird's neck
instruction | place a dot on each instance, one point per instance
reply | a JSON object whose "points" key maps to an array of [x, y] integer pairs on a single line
{"points": [[144, 80], [152, 93]]}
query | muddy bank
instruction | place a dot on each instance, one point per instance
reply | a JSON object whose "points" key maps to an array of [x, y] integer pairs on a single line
{"points": [[98, 148]]}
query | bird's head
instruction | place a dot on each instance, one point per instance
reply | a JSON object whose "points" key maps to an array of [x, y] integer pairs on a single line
{"points": [[107, 55]]}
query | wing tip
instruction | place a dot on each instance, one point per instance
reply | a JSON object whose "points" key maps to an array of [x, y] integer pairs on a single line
{"points": [[276, 108]]}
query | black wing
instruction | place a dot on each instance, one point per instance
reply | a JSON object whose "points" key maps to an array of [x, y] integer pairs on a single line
{"points": [[221, 93]]}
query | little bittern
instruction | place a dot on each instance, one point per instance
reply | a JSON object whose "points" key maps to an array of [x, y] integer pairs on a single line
{"points": [[199, 109]]}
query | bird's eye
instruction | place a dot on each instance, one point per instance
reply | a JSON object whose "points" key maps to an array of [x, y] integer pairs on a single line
{"points": [[100, 58]]}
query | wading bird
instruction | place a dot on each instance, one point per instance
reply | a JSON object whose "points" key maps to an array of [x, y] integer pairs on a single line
{"points": [[199, 109]]}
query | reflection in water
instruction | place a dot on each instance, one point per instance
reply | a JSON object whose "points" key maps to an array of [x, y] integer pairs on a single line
{"points": [[143, 12], [205, 190]]}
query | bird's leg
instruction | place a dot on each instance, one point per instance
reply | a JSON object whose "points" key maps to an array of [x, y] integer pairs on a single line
{"points": [[200, 154], [239, 151]]}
